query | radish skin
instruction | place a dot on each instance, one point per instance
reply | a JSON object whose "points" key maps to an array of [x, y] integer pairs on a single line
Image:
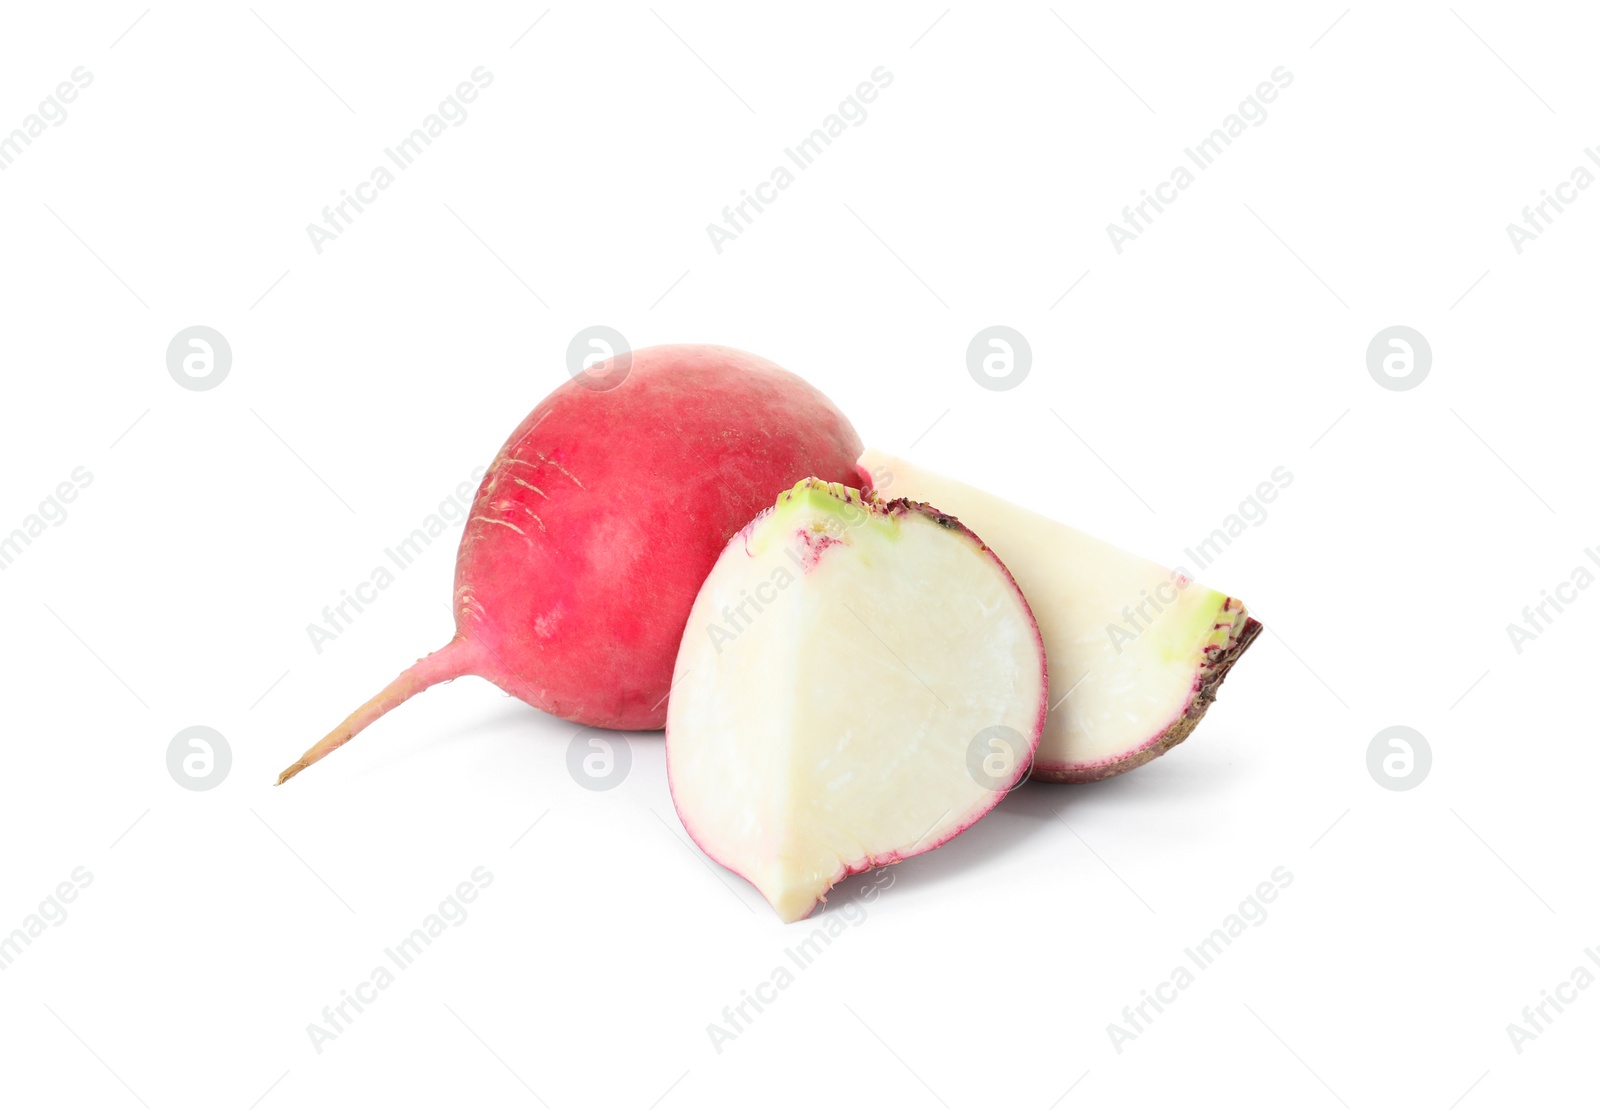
{"points": [[598, 520], [456, 659]]}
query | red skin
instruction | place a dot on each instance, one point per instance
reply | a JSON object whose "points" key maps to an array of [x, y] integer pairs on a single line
{"points": [[599, 519]]}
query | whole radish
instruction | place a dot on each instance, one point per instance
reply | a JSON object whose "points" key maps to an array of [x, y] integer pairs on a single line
{"points": [[599, 519]]}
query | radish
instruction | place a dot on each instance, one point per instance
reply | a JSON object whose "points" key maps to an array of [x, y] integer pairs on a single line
{"points": [[858, 683], [599, 519], [1137, 651]]}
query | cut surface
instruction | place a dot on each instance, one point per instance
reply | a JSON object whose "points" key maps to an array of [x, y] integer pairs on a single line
{"points": [[1136, 650], [857, 683]]}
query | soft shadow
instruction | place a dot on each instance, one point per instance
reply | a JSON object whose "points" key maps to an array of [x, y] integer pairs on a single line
{"points": [[1173, 777], [1017, 819], [1036, 806], [517, 715]]}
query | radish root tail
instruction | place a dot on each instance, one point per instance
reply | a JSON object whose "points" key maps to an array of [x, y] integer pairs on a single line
{"points": [[456, 659]]}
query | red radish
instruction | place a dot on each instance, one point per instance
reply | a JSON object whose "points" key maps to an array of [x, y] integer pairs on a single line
{"points": [[599, 519], [1136, 651], [858, 683]]}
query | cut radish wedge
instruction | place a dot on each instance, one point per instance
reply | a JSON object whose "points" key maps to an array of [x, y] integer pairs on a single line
{"points": [[1136, 651], [857, 683]]}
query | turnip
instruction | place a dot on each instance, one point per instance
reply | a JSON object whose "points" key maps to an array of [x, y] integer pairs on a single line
{"points": [[858, 683], [599, 519]]}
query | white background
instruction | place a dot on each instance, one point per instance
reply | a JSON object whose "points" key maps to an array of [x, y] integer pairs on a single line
{"points": [[369, 380]]}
